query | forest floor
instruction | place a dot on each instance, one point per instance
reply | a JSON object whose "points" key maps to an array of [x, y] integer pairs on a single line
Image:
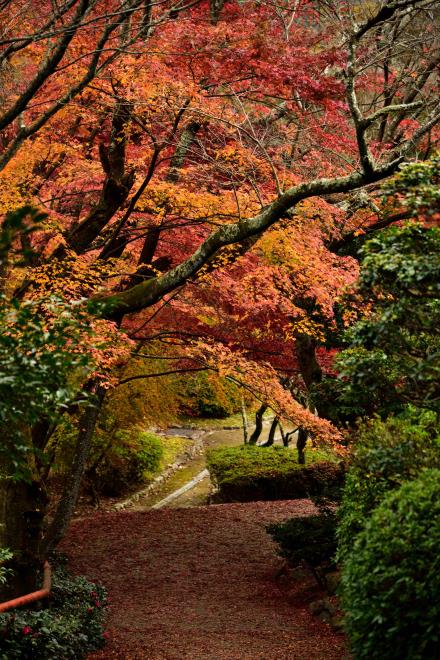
{"points": [[200, 583]]}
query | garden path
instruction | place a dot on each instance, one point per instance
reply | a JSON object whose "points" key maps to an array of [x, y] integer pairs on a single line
{"points": [[199, 584]]}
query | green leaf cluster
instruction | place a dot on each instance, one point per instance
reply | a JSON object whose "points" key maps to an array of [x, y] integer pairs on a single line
{"points": [[417, 186], [41, 370], [391, 579], [394, 350], [385, 455], [308, 539]]}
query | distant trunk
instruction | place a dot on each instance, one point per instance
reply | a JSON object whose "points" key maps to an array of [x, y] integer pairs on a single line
{"points": [[311, 373], [288, 436], [301, 445], [283, 435], [258, 424], [215, 7], [182, 149], [245, 421], [272, 431]]}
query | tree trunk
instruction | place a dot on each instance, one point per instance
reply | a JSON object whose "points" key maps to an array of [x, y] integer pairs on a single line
{"points": [[301, 445], [215, 7], [258, 424], [116, 186], [22, 510], [245, 421], [69, 498], [183, 146], [147, 26], [272, 431], [310, 369]]}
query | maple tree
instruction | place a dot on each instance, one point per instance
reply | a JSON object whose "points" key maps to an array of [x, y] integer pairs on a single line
{"points": [[164, 139]]}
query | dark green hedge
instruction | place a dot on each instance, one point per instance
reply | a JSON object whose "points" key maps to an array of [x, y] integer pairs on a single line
{"points": [[391, 579], [386, 454], [247, 473], [309, 539]]}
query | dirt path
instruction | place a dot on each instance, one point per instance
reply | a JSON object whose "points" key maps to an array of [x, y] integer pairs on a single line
{"points": [[199, 494], [199, 583]]}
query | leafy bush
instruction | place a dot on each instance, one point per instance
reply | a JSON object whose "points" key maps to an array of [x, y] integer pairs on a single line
{"points": [[5, 556], [386, 454], [209, 395], [308, 539], [394, 349], [69, 628], [248, 473], [391, 580], [334, 402], [40, 373], [133, 456]]}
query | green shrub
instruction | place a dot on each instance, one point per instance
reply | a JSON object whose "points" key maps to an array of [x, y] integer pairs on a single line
{"points": [[391, 580], [308, 539], [133, 457], [70, 627], [249, 473], [385, 455], [148, 454], [211, 396]]}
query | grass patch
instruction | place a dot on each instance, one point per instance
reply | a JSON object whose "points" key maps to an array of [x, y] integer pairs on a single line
{"points": [[173, 447]]}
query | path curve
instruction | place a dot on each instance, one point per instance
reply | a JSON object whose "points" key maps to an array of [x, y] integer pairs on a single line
{"points": [[198, 584], [204, 474]]}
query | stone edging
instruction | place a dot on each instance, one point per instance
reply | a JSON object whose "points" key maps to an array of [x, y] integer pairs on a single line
{"points": [[194, 450]]}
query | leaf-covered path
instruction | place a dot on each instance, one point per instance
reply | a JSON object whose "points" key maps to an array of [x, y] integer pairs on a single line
{"points": [[198, 583]]}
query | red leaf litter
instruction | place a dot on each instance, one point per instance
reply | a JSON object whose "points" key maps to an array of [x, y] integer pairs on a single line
{"points": [[199, 583]]}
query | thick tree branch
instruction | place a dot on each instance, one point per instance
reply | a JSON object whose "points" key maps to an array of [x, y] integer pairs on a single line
{"points": [[400, 107], [151, 291], [162, 373], [336, 245]]}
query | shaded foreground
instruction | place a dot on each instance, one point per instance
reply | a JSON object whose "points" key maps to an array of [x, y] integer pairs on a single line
{"points": [[199, 583]]}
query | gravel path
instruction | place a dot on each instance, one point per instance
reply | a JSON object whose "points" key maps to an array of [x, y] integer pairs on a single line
{"points": [[199, 583]]}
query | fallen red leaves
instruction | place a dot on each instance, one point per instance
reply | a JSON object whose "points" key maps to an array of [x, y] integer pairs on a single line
{"points": [[198, 583]]}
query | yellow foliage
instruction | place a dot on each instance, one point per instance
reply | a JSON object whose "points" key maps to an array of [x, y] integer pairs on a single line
{"points": [[164, 198], [72, 277]]}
